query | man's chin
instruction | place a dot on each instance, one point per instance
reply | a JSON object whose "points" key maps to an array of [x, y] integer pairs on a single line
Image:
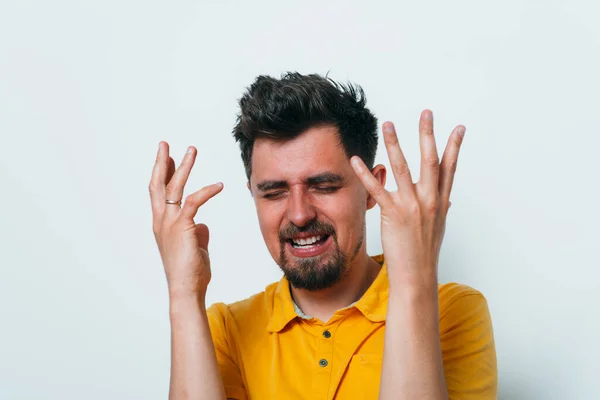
{"points": [[311, 285], [314, 277]]}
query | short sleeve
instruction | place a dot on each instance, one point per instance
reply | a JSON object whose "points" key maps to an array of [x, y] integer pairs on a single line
{"points": [[468, 348], [218, 314]]}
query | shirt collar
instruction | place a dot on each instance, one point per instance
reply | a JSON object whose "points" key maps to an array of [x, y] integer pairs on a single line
{"points": [[283, 307], [373, 303]]}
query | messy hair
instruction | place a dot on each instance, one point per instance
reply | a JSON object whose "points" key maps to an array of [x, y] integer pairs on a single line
{"points": [[281, 109]]}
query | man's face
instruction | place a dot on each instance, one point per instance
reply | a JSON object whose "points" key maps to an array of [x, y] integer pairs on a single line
{"points": [[311, 206]]}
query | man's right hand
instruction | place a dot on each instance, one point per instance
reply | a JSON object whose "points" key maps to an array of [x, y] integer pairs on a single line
{"points": [[182, 243]]}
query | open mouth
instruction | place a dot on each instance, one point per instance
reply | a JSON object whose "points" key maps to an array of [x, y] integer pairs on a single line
{"points": [[309, 246], [308, 242]]}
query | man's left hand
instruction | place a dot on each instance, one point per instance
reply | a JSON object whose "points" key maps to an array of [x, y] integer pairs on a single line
{"points": [[413, 218]]}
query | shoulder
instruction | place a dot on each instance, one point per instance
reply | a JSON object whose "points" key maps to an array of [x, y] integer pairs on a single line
{"points": [[467, 342], [461, 305], [245, 312], [449, 293]]}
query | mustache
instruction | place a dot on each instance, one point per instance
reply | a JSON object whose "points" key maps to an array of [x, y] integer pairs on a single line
{"points": [[312, 228]]}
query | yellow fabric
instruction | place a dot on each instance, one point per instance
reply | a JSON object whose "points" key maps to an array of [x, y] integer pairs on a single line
{"points": [[266, 351]]}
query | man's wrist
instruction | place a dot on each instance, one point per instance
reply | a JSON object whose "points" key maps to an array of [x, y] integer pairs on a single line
{"points": [[426, 295], [414, 285], [185, 303]]}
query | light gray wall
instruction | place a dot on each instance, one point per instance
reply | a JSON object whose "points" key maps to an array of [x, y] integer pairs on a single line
{"points": [[89, 88]]}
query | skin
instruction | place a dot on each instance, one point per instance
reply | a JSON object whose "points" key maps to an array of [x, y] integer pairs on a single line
{"points": [[412, 230]]}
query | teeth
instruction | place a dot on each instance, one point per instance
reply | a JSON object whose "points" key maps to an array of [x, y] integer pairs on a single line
{"points": [[306, 241]]}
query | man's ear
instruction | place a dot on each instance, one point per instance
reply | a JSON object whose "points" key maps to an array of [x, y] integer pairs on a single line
{"points": [[379, 172], [249, 188]]}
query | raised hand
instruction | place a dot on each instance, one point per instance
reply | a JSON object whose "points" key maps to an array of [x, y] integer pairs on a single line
{"points": [[413, 218], [182, 243]]}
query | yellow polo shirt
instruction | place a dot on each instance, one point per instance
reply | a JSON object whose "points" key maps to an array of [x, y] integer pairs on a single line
{"points": [[265, 350]]}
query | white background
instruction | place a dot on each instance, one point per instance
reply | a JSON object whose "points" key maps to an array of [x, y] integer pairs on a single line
{"points": [[89, 88]]}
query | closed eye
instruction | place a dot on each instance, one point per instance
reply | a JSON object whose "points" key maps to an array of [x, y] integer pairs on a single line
{"points": [[272, 195], [326, 189]]}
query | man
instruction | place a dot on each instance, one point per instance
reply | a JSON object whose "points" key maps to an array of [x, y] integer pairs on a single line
{"points": [[339, 324]]}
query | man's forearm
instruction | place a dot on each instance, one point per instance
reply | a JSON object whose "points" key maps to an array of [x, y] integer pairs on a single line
{"points": [[194, 369], [412, 360]]}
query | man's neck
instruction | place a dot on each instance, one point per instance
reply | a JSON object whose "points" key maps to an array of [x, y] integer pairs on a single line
{"points": [[324, 303]]}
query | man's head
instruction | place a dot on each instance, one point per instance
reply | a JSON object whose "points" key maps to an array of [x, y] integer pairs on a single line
{"points": [[296, 137]]}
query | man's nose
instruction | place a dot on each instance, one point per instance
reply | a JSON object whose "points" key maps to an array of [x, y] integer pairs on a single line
{"points": [[300, 209]]}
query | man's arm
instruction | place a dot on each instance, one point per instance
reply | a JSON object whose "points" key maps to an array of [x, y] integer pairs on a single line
{"points": [[413, 222], [183, 246], [194, 369], [412, 358], [453, 352]]}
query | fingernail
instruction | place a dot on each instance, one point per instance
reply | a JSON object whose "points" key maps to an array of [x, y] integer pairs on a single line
{"points": [[388, 128], [428, 116], [190, 149], [461, 131]]}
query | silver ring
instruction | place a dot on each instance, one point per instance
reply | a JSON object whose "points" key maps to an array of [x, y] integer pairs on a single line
{"points": [[173, 202]]}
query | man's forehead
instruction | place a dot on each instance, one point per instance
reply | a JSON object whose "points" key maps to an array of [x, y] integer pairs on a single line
{"points": [[315, 152]]}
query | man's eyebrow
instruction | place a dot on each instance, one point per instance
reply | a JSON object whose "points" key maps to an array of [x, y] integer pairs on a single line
{"points": [[270, 185], [326, 177]]}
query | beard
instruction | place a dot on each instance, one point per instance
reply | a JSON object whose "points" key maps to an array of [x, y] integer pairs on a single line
{"points": [[313, 273]]}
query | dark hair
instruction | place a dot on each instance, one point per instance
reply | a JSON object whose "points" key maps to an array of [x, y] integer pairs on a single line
{"points": [[281, 109]]}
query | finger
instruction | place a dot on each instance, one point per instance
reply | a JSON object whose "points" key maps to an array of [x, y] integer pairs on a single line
{"points": [[175, 187], [157, 181], [450, 163], [430, 162], [375, 189], [195, 200], [397, 160]]}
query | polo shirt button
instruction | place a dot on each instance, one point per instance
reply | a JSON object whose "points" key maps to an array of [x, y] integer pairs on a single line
{"points": [[323, 362], [326, 334]]}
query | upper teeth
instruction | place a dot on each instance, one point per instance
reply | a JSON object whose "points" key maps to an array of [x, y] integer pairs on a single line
{"points": [[307, 241]]}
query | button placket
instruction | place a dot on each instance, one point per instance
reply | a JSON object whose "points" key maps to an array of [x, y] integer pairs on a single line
{"points": [[325, 348], [323, 363]]}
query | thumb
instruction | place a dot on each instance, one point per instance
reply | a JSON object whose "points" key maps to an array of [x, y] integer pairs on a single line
{"points": [[202, 234]]}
